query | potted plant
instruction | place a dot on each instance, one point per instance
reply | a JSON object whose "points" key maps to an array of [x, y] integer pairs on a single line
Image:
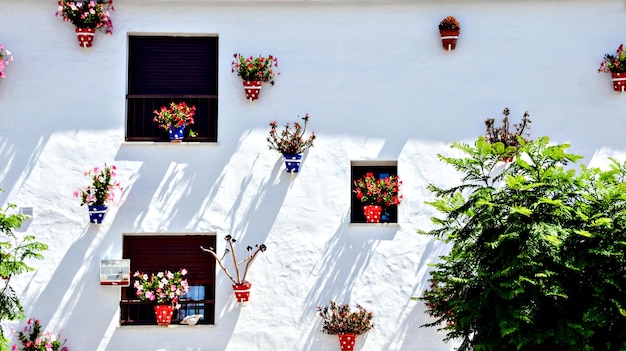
{"points": [[33, 340], [616, 65], [254, 71], [376, 193], [5, 59], [87, 16], [502, 134], [346, 324], [164, 289], [290, 142], [449, 29], [174, 119], [240, 285], [100, 192]]}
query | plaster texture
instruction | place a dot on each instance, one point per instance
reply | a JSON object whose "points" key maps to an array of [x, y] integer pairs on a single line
{"points": [[377, 85]]}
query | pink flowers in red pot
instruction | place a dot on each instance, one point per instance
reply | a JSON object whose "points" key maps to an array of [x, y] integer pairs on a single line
{"points": [[87, 16], [616, 65], [255, 71]]}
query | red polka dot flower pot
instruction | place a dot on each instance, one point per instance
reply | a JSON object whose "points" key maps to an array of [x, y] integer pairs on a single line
{"points": [[255, 71], [616, 65], [347, 324]]}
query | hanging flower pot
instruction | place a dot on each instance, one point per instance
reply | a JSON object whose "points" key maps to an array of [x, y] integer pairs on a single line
{"points": [[292, 162], [347, 341], [616, 65], [619, 81], [449, 38], [96, 213], [449, 29], [291, 142], [242, 291], [85, 36], [254, 71], [163, 314], [87, 16], [372, 213], [252, 89], [176, 133]]}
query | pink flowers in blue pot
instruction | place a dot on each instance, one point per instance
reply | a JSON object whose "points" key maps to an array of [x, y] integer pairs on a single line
{"points": [[100, 192]]}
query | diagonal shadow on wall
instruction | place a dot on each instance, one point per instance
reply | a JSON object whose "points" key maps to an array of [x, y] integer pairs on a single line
{"points": [[346, 255]]}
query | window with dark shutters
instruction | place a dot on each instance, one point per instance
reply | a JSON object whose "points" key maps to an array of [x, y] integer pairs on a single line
{"points": [[165, 69], [157, 253]]}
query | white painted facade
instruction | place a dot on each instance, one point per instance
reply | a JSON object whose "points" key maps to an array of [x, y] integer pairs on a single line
{"points": [[377, 85]]}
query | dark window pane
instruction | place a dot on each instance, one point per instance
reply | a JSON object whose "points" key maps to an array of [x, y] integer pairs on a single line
{"points": [[155, 253], [389, 214], [165, 69]]}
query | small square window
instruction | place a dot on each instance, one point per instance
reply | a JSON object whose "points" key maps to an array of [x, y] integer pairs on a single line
{"points": [[380, 170]]}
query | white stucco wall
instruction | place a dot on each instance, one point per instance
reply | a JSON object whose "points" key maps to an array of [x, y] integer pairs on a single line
{"points": [[377, 85]]}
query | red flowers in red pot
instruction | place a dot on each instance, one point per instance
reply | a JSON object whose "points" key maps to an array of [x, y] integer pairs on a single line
{"points": [[376, 193]]}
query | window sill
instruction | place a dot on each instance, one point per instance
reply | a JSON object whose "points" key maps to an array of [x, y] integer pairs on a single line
{"points": [[363, 225], [171, 326], [164, 143]]}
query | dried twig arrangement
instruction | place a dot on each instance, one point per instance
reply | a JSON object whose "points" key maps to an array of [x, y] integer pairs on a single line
{"points": [[248, 260]]}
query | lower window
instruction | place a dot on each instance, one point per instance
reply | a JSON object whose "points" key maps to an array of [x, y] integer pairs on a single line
{"points": [[157, 253]]}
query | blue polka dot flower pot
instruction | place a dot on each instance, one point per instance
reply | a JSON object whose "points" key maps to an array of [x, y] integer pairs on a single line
{"points": [[292, 162], [96, 213], [176, 133]]}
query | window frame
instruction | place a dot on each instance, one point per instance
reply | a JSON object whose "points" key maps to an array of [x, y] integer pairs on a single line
{"points": [[152, 83], [358, 169]]}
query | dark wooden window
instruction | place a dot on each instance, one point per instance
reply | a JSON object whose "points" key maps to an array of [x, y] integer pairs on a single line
{"points": [[165, 69], [381, 170], [156, 253]]}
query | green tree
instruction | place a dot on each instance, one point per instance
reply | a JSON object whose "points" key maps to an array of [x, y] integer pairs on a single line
{"points": [[15, 251], [537, 258]]}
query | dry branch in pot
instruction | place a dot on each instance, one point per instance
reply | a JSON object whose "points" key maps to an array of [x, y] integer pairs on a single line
{"points": [[238, 279]]}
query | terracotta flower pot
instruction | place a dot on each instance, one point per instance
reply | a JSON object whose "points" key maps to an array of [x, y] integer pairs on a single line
{"points": [[619, 81], [163, 314], [242, 291], [372, 213], [252, 89], [347, 341], [85, 36], [449, 37]]}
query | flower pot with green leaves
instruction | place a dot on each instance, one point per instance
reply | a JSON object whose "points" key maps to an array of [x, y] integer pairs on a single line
{"points": [[5, 60], [174, 119], [254, 71], [32, 339], [616, 65], [241, 286], [164, 289], [291, 142], [510, 140], [449, 29], [100, 192], [87, 16], [340, 320], [376, 194]]}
